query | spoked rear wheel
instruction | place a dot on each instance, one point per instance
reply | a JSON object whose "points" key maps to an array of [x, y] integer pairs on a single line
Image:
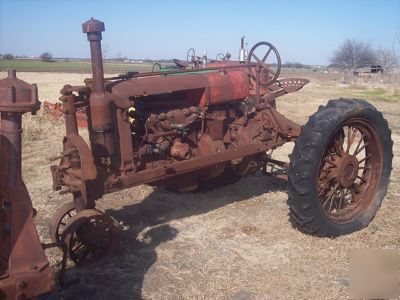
{"points": [[348, 171], [340, 168]]}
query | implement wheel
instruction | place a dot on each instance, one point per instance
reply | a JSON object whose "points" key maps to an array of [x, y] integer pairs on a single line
{"points": [[339, 169], [90, 236]]}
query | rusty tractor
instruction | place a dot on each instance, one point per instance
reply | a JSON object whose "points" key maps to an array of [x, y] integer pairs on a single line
{"points": [[182, 128]]}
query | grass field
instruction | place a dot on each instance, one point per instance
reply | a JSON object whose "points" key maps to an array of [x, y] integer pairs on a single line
{"points": [[70, 66], [234, 242]]}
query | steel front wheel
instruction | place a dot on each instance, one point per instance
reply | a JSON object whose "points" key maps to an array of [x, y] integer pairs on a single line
{"points": [[90, 236], [339, 169]]}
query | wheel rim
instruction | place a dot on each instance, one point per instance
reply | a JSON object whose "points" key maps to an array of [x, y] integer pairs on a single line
{"points": [[349, 171]]}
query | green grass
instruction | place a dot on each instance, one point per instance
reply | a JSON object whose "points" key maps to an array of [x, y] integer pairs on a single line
{"points": [[378, 94], [70, 66]]}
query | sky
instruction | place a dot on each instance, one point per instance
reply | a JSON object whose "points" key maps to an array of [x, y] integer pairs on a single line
{"points": [[306, 31]]}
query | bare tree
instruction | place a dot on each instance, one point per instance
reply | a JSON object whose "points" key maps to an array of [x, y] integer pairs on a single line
{"points": [[386, 58], [354, 54]]}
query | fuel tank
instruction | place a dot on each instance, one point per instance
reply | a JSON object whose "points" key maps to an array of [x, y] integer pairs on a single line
{"points": [[201, 88]]}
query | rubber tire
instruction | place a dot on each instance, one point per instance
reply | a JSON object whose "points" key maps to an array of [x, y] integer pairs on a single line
{"points": [[305, 212]]}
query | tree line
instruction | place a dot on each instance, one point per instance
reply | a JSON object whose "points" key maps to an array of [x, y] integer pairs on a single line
{"points": [[353, 54], [45, 56]]}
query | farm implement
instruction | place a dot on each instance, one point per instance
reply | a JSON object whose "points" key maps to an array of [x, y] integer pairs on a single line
{"points": [[182, 128], [24, 269]]}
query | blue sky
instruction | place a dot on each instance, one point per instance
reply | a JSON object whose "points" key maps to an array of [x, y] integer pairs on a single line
{"points": [[307, 31]]}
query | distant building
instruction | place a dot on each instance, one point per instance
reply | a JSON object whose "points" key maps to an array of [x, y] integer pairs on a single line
{"points": [[368, 70]]}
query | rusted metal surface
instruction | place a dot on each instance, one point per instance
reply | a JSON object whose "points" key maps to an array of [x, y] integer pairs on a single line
{"points": [[175, 128], [200, 89], [24, 270], [101, 131], [55, 110]]}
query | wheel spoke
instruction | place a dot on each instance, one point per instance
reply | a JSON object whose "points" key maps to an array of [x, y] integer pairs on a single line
{"points": [[266, 55], [255, 57], [322, 192], [358, 145], [341, 198], [350, 137], [361, 149], [330, 195], [331, 163], [362, 179], [363, 168], [79, 245], [365, 158], [352, 193]]}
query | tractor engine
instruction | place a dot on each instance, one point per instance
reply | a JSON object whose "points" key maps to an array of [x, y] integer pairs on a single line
{"points": [[164, 136]]}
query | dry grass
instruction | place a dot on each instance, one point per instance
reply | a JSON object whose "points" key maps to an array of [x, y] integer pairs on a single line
{"points": [[231, 243]]}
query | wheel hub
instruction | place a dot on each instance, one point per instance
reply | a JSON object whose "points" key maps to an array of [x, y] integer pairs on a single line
{"points": [[347, 170]]}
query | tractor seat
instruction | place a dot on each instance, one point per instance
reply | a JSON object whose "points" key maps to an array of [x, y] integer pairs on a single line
{"points": [[288, 85], [180, 63]]}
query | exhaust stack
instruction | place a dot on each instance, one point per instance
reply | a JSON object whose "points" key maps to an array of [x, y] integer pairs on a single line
{"points": [[100, 125]]}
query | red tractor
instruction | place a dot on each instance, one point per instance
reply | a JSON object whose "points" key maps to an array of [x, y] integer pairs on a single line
{"points": [[182, 128]]}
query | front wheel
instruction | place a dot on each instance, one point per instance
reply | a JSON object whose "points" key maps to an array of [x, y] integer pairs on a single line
{"points": [[339, 169]]}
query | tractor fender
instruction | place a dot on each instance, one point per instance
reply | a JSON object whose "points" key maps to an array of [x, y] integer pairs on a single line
{"points": [[88, 167]]}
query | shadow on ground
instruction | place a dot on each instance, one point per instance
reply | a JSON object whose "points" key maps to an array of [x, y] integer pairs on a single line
{"points": [[121, 277]]}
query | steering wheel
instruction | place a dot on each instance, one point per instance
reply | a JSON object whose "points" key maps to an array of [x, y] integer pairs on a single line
{"points": [[191, 56], [273, 69], [220, 57], [156, 67]]}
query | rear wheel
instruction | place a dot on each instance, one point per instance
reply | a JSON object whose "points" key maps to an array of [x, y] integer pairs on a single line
{"points": [[339, 169]]}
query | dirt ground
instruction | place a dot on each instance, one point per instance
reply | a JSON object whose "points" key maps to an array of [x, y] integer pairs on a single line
{"points": [[234, 242]]}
